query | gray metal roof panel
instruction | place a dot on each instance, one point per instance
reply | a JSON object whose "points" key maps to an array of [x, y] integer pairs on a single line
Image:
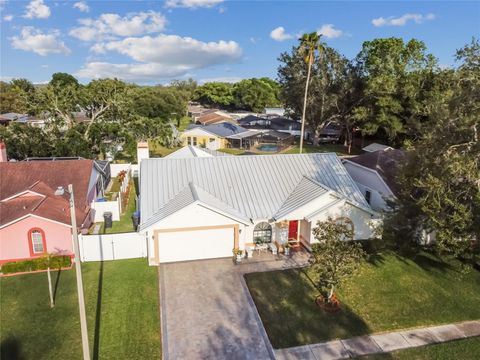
{"points": [[256, 186], [306, 191]]}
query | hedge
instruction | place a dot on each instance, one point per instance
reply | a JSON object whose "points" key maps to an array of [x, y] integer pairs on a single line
{"points": [[35, 264]]}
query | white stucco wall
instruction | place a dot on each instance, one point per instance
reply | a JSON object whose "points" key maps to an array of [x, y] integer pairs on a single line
{"points": [[193, 216], [368, 179], [362, 220]]}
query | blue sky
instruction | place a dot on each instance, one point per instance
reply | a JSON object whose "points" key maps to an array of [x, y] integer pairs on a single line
{"points": [[156, 41]]}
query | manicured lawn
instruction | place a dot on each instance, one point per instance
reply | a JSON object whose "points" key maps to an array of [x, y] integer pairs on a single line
{"points": [[389, 293], [468, 349], [336, 148], [122, 313], [125, 223]]}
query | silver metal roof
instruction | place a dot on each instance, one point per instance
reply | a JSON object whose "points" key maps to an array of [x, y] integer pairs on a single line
{"points": [[255, 186]]}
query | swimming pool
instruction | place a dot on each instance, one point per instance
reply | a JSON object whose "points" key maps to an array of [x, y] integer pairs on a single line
{"points": [[268, 148]]}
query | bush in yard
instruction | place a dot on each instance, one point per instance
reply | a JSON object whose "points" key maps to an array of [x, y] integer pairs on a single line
{"points": [[56, 262], [335, 257]]}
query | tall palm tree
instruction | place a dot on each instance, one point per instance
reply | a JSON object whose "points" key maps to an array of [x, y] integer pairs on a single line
{"points": [[309, 45]]}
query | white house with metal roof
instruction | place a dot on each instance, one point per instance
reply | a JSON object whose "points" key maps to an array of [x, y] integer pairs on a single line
{"points": [[204, 207]]}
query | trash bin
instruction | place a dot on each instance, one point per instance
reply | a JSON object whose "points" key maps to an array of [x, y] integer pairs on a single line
{"points": [[136, 219], [107, 217]]}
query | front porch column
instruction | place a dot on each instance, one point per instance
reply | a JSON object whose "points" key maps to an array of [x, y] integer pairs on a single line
{"points": [[235, 237]]}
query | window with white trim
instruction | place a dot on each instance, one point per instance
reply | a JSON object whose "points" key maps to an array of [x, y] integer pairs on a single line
{"points": [[194, 141], [37, 242]]}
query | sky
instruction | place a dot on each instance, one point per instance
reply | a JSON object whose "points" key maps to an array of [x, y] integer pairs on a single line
{"points": [[154, 42]]}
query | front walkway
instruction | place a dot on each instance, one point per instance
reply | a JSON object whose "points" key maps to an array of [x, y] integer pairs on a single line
{"points": [[381, 343]]}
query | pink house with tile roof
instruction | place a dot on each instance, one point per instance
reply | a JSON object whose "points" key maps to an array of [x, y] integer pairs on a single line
{"points": [[33, 220]]}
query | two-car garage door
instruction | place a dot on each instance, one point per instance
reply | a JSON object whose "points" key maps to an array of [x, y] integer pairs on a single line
{"points": [[195, 244]]}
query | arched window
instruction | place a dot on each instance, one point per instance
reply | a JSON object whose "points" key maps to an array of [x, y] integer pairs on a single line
{"points": [[262, 233], [36, 242]]}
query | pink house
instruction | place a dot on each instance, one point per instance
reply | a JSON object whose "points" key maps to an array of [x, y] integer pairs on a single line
{"points": [[33, 220]]}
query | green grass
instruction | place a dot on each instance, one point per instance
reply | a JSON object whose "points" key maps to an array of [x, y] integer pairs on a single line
{"points": [[157, 150], [468, 349], [336, 148], [391, 293], [184, 122], [125, 223], [233, 151], [122, 313]]}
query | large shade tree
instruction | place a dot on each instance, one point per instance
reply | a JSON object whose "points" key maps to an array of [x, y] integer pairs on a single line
{"points": [[397, 78], [440, 190]]}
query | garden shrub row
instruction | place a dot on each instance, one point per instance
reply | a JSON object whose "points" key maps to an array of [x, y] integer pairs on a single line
{"points": [[35, 264]]}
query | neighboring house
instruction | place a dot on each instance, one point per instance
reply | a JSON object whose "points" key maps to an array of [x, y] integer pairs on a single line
{"points": [[376, 147], [190, 151], [220, 136], [375, 174], [280, 124], [212, 118], [330, 132], [33, 219], [101, 173], [233, 201]]}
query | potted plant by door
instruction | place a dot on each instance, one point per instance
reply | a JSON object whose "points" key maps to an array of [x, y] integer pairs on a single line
{"points": [[238, 255]]}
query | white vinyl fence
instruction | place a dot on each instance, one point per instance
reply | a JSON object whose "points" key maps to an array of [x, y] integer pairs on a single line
{"points": [[101, 207], [112, 246]]}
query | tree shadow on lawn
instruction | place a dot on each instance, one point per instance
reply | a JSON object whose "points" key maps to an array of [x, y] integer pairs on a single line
{"points": [[11, 349], [292, 318]]}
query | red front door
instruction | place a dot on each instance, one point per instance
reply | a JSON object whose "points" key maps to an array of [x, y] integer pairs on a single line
{"points": [[292, 229]]}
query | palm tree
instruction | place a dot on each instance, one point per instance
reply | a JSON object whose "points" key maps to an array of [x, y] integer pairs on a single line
{"points": [[309, 45]]}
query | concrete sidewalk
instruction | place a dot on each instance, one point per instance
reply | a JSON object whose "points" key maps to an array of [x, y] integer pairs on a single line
{"points": [[381, 343]]}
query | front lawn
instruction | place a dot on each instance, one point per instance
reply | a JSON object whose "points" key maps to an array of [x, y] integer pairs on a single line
{"points": [[389, 293], [122, 313]]}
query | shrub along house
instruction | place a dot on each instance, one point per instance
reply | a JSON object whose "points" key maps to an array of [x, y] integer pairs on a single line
{"points": [[33, 219], [204, 207]]}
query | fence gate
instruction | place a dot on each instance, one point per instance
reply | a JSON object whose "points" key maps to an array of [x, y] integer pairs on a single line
{"points": [[112, 246]]}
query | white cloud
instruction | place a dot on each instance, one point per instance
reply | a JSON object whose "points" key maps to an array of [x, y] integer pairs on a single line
{"points": [[82, 6], [34, 40], [227, 79], [108, 26], [279, 34], [8, 18], [163, 56], [402, 20], [191, 3], [130, 72], [36, 9], [329, 31], [174, 50]]}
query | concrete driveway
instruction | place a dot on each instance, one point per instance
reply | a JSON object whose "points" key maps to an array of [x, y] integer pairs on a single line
{"points": [[207, 313]]}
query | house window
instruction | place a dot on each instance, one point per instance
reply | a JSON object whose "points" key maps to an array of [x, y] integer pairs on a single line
{"points": [[37, 243], [194, 141], [262, 233], [368, 195], [211, 140], [189, 140]]}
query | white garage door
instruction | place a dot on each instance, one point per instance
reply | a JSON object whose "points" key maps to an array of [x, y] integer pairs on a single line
{"points": [[195, 245]]}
